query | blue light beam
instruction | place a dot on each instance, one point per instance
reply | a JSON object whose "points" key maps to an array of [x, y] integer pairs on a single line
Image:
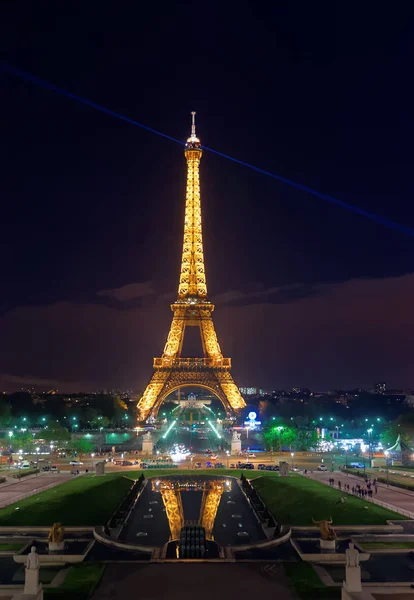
{"points": [[405, 229]]}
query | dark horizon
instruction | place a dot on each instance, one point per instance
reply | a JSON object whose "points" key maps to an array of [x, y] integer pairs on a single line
{"points": [[307, 293]]}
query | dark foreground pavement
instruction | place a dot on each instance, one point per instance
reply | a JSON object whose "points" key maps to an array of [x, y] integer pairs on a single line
{"points": [[188, 581]]}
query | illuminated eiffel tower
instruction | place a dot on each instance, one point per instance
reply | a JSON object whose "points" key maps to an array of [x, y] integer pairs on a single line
{"points": [[191, 309]]}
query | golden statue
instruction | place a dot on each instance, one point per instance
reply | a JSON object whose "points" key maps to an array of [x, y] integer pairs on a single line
{"points": [[57, 533], [326, 531]]}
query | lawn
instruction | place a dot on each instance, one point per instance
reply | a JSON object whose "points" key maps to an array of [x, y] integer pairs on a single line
{"points": [[388, 545], [407, 482], [81, 501], [307, 584], [397, 479], [249, 474], [11, 547], [90, 500], [294, 500], [80, 583]]}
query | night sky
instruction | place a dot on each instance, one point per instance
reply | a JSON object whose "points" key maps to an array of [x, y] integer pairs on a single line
{"points": [[307, 293]]}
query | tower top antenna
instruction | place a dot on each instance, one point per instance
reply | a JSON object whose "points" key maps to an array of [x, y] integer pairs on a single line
{"points": [[193, 143]]}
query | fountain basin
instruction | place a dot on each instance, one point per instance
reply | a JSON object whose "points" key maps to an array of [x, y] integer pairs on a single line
{"points": [[74, 552]]}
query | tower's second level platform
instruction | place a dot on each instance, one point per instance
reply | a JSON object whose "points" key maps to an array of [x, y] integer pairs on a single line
{"points": [[191, 364]]}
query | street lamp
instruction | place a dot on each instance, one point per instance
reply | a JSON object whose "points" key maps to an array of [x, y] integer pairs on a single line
{"points": [[386, 464], [369, 431], [292, 454]]}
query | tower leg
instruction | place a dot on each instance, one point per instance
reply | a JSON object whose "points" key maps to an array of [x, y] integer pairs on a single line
{"points": [[164, 381]]}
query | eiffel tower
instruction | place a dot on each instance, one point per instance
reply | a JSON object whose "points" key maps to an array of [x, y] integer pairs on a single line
{"points": [[191, 309]]}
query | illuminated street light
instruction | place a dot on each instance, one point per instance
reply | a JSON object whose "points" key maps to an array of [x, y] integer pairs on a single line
{"points": [[292, 454], [369, 431], [386, 463]]}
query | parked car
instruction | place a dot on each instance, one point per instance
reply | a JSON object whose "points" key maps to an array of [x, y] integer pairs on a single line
{"points": [[357, 465], [75, 463], [209, 465], [54, 469], [24, 465], [295, 469], [232, 466], [219, 465], [198, 465], [262, 467], [251, 455], [322, 468], [143, 465]]}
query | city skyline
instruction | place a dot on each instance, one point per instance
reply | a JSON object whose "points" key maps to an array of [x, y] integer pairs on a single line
{"points": [[307, 293]]}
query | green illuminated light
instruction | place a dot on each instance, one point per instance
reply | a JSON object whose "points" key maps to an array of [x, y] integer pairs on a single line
{"points": [[169, 429], [214, 429]]}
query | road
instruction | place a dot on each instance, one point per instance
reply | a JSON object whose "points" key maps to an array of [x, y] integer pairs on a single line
{"points": [[14, 490], [305, 461], [402, 499]]}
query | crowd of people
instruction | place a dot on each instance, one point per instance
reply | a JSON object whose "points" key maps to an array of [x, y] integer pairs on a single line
{"points": [[368, 490]]}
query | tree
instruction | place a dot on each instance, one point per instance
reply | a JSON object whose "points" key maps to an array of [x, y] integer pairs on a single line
{"points": [[5, 413], [81, 447], [22, 439], [403, 426], [306, 439], [56, 433], [278, 436]]}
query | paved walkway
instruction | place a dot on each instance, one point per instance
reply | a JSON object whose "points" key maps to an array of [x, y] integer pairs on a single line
{"points": [[403, 499], [14, 489], [189, 581]]}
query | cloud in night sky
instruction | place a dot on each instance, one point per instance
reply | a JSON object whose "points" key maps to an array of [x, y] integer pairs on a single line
{"points": [[321, 336]]}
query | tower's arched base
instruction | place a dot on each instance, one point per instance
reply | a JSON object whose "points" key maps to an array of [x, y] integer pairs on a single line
{"points": [[217, 380]]}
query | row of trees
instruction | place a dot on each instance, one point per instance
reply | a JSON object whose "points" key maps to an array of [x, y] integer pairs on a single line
{"points": [[93, 411], [280, 435], [57, 436]]}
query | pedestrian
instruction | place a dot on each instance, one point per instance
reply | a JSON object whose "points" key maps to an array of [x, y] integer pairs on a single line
{"points": [[339, 484], [376, 489]]}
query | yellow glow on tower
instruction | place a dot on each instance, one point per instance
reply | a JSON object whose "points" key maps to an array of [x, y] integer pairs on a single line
{"points": [[192, 308]]}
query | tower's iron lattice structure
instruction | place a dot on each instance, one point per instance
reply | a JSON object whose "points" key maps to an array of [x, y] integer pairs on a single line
{"points": [[192, 308]]}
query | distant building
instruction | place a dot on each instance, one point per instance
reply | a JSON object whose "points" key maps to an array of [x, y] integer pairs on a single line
{"points": [[380, 387], [249, 391]]}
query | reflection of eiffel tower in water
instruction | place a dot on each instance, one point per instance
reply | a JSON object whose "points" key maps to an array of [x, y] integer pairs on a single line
{"points": [[171, 496], [192, 308]]}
